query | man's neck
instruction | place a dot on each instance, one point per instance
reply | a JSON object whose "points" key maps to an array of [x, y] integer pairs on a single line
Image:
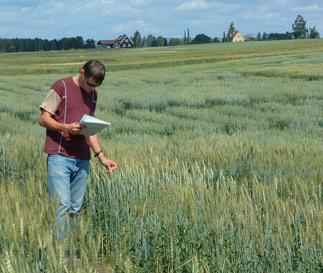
{"points": [[76, 80]]}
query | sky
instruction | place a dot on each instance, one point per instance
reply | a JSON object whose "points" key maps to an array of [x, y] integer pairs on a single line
{"points": [[107, 19]]}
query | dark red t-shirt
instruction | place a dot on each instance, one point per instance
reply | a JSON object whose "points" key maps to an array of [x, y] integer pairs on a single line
{"points": [[74, 103]]}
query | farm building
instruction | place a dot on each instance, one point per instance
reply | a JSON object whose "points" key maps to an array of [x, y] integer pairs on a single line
{"points": [[123, 41], [237, 37]]}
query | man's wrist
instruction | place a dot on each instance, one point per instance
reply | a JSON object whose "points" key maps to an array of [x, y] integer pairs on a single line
{"points": [[65, 128], [98, 153], [101, 156]]}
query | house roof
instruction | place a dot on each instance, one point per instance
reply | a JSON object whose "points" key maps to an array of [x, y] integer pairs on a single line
{"points": [[235, 33], [119, 40], [106, 42]]}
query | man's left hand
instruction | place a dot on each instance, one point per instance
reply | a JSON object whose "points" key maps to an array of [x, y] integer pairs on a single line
{"points": [[108, 163]]}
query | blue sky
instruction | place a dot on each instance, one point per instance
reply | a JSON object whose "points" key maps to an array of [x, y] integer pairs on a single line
{"points": [[106, 19]]}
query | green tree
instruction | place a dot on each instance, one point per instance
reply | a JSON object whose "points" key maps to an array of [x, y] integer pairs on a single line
{"points": [[143, 43], [230, 32], [264, 36], [201, 39], [313, 33], [223, 37], [216, 40], [159, 41], [137, 39], [175, 42], [299, 27], [11, 48], [150, 40], [259, 36], [189, 40], [89, 43]]}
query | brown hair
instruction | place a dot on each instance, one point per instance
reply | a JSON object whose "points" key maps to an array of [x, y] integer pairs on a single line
{"points": [[94, 69]]}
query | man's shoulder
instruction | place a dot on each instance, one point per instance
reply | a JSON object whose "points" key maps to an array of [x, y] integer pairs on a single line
{"points": [[61, 85]]}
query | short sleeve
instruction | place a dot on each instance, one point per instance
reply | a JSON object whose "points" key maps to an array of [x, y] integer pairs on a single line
{"points": [[51, 102]]}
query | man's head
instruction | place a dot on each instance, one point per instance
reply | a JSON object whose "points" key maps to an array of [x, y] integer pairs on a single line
{"points": [[93, 73]]}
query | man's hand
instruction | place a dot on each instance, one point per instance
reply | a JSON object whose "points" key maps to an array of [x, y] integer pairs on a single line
{"points": [[108, 163], [73, 128]]}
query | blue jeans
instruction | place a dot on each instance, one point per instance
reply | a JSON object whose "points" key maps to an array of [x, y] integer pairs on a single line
{"points": [[67, 179]]}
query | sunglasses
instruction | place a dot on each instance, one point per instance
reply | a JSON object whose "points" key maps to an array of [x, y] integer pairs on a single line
{"points": [[89, 83], [93, 85]]}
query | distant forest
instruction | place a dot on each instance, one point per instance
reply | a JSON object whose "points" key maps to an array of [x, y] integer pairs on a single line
{"points": [[299, 31], [37, 44]]}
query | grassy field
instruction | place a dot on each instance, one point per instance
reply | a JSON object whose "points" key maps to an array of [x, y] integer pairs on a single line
{"points": [[220, 151]]}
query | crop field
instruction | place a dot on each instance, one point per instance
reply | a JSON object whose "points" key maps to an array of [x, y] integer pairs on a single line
{"points": [[220, 155]]}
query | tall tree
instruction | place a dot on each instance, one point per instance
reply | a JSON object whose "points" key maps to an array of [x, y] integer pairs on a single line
{"points": [[137, 39], [144, 42], [223, 37], [201, 39], [259, 36], [150, 40], [185, 39], [175, 42], [159, 41], [89, 43], [230, 32], [299, 27], [313, 33], [189, 40]]}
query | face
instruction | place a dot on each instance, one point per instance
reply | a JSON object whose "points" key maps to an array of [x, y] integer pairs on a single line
{"points": [[89, 84]]}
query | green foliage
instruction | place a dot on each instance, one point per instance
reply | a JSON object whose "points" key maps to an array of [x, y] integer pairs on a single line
{"points": [[175, 42], [259, 38], [137, 39], [223, 38], [187, 38], [17, 45], [160, 41], [313, 33], [201, 39], [299, 27], [230, 32], [220, 156], [89, 43], [150, 40]]}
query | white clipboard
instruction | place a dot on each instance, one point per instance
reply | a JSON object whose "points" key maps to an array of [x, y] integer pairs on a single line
{"points": [[92, 125]]}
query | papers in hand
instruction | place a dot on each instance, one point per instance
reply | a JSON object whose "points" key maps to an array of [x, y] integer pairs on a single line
{"points": [[92, 125]]}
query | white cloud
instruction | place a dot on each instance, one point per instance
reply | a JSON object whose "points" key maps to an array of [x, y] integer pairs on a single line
{"points": [[100, 19], [273, 15], [197, 23], [309, 8], [130, 26], [108, 2], [193, 5], [137, 3], [284, 2], [211, 6]]}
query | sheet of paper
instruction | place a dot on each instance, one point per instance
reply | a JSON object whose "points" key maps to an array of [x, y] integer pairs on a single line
{"points": [[92, 125]]}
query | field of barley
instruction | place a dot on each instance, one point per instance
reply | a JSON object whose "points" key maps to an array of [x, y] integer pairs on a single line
{"points": [[220, 154]]}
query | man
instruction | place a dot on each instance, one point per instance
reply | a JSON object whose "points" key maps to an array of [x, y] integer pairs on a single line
{"points": [[69, 151]]}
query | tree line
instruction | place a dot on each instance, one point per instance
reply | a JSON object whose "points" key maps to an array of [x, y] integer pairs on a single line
{"points": [[37, 44], [299, 31]]}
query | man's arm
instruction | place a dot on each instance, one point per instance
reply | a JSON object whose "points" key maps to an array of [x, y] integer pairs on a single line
{"points": [[46, 120], [96, 148]]}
